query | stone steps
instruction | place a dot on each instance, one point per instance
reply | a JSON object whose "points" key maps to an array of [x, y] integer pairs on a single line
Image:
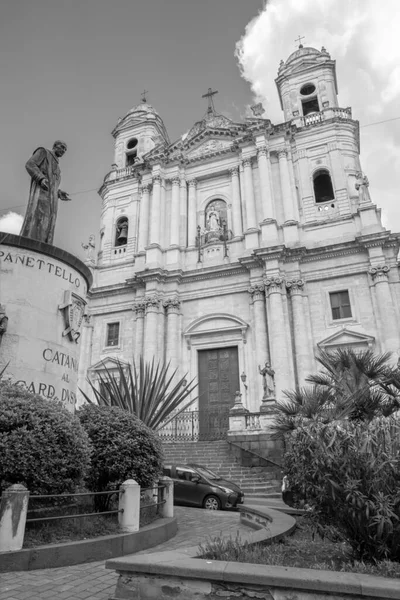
{"points": [[256, 482]]}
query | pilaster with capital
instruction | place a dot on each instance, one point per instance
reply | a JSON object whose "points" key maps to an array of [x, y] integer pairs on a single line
{"points": [[183, 212], [279, 333], [302, 346], [192, 213], [144, 217], [265, 183], [249, 194], [387, 314], [286, 187], [236, 205], [139, 308], [150, 350], [172, 308], [155, 224], [257, 294], [174, 216]]}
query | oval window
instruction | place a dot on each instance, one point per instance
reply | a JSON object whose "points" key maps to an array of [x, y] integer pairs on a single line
{"points": [[307, 89], [132, 144]]}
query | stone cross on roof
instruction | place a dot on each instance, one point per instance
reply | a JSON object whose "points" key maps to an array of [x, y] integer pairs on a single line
{"points": [[299, 40], [209, 95], [144, 97]]}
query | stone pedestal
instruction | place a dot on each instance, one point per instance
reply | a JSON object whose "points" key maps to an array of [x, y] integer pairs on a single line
{"points": [[43, 290]]}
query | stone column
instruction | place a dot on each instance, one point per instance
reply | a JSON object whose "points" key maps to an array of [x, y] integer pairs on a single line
{"points": [[285, 186], [151, 327], [183, 213], [155, 224], [175, 211], [237, 224], [192, 213], [260, 322], [302, 348], [249, 192], [86, 352], [265, 183], [172, 308], [281, 360], [389, 334], [143, 234], [139, 308]]}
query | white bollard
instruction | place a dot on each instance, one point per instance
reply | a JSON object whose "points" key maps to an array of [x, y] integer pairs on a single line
{"points": [[167, 509], [129, 502], [13, 510]]}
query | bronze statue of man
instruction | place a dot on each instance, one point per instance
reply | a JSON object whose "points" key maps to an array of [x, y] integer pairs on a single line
{"points": [[41, 214]]}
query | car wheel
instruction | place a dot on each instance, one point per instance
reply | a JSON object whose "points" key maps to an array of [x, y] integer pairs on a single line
{"points": [[212, 503]]}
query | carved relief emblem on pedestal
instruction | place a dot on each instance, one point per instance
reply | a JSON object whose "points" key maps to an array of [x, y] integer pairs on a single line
{"points": [[73, 309]]}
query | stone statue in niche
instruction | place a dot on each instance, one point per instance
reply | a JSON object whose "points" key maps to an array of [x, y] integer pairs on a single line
{"points": [[41, 214], [362, 185], [90, 249], [213, 223], [268, 375], [3, 322]]}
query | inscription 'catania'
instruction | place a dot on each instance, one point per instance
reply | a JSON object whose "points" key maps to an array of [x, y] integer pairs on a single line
{"points": [[61, 359]]}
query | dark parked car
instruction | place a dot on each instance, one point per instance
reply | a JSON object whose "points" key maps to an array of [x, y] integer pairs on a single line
{"points": [[195, 485]]}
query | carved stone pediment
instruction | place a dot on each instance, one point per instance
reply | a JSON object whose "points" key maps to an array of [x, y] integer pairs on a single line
{"points": [[214, 326], [209, 147], [347, 338], [109, 363]]}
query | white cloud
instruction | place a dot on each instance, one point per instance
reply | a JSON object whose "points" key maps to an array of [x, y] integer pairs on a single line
{"points": [[11, 223], [362, 36]]}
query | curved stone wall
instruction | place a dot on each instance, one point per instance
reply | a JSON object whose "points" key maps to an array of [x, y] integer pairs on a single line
{"points": [[43, 290]]}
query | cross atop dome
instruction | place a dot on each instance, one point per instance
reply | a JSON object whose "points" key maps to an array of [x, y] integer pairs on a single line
{"points": [[143, 96], [299, 40], [209, 95]]}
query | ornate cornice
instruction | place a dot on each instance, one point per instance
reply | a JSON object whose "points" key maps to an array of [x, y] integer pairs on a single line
{"points": [[379, 273], [294, 286], [172, 305]]}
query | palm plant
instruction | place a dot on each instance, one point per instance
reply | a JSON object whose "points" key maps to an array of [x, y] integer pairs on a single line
{"points": [[151, 392], [353, 385]]}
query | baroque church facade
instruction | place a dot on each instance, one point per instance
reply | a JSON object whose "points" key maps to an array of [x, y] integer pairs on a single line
{"points": [[242, 245]]}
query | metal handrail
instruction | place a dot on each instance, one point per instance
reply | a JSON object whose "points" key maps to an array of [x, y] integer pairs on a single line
{"points": [[41, 496], [106, 512], [255, 454]]}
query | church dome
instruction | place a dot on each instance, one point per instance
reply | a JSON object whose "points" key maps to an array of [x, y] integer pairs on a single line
{"points": [[303, 52], [144, 108]]}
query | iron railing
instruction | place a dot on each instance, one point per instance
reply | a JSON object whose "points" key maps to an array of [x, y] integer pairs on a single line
{"points": [[194, 425]]}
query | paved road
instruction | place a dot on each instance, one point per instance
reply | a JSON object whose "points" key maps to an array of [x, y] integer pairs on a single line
{"points": [[91, 581]]}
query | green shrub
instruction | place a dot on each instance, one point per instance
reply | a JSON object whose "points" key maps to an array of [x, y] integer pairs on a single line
{"points": [[123, 448], [42, 445], [349, 475]]}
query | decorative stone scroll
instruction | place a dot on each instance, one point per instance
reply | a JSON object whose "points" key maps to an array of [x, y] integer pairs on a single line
{"points": [[246, 162], [234, 171], [192, 183], [294, 286], [152, 302], [145, 188], [379, 273], [257, 292], [262, 151], [273, 285], [157, 179], [172, 305], [139, 307]]}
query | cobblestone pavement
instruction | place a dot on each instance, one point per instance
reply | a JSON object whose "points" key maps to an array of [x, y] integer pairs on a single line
{"points": [[91, 581]]}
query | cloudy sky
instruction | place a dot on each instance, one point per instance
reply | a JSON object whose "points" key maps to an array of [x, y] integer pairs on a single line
{"points": [[69, 69]]}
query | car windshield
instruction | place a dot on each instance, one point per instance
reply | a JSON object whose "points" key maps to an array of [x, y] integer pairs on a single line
{"points": [[207, 473]]}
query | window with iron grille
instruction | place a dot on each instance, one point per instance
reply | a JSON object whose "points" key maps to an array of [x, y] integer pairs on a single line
{"points": [[340, 304], [112, 334]]}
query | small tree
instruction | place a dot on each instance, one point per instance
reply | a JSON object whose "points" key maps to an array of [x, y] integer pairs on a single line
{"points": [[150, 391], [123, 448], [42, 445]]}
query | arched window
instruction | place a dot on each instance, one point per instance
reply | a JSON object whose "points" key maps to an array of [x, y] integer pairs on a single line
{"points": [[121, 232], [310, 102], [131, 152], [323, 189]]}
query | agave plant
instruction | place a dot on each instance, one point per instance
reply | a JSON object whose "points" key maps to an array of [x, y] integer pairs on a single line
{"points": [[150, 391], [353, 385]]}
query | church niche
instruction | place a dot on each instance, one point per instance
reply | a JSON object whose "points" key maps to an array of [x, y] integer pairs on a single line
{"points": [[121, 232], [215, 222]]}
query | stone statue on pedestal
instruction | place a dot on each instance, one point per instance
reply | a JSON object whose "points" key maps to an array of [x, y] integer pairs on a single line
{"points": [[268, 375], [3, 322], [41, 214], [90, 249], [362, 186]]}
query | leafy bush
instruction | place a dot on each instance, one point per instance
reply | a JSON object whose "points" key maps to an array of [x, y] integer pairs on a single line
{"points": [[348, 473], [123, 448], [42, 445]]}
